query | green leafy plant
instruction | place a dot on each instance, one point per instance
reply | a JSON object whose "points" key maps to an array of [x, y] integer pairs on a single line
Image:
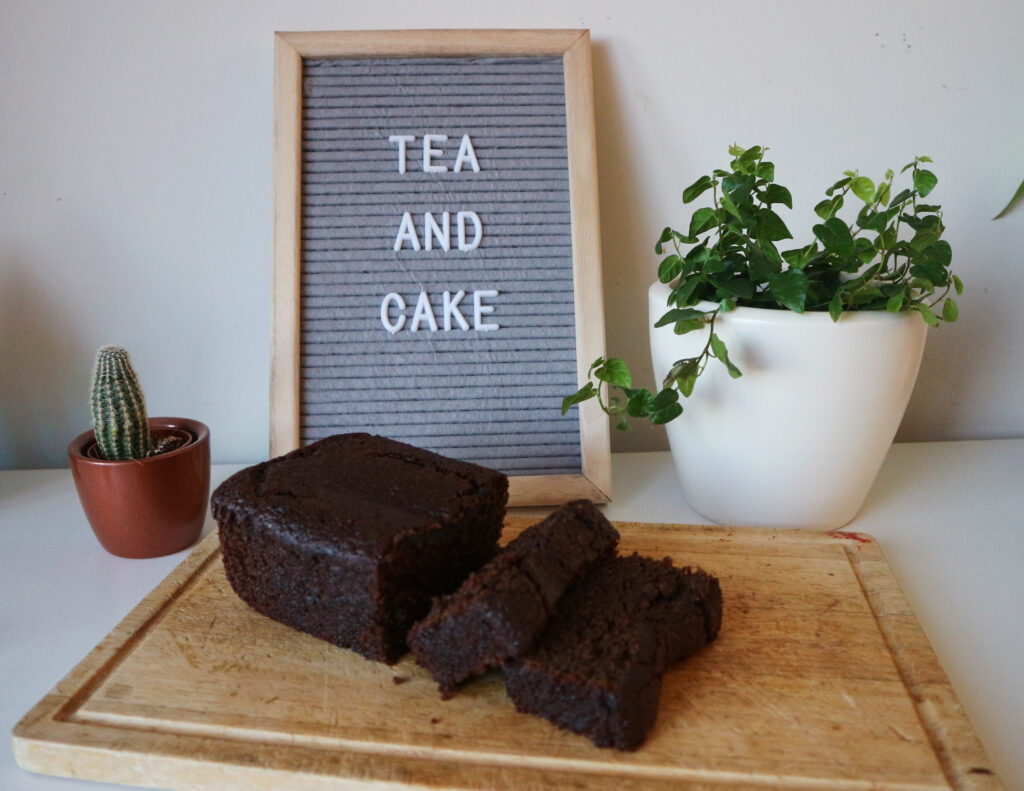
{"points": [[119, 410], [888, 256]]}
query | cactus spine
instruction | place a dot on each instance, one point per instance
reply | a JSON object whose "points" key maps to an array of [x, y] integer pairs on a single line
{"points": [[118, 407]]}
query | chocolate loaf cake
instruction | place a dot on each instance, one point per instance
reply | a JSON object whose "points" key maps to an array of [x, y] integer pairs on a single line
{"points": [[500, 609], [349, 538], [597, 667]]}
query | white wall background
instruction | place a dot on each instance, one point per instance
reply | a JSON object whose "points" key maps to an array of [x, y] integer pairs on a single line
{"points": [[136, 184]]}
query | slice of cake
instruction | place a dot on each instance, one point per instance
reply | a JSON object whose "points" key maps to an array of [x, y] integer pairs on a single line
{"points": [[501, 608], [597, 667], [350, 538]]}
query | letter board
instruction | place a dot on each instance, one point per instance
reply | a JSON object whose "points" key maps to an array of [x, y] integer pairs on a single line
{"points": [[433, 259]]}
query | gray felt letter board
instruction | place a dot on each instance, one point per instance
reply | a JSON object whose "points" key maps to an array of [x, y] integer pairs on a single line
{"points": [[437, 249]]}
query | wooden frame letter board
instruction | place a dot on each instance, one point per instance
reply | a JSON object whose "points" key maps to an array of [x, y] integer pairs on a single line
{"points": [[437, 271]]}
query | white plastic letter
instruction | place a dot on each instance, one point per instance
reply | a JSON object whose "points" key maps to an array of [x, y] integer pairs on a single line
{"points": [[432, 231], [478, 230], [466, 154], [407, 233], [451, 310], [424, 312], [480, 309], [429, 153], [385, 319], [401, 140]]}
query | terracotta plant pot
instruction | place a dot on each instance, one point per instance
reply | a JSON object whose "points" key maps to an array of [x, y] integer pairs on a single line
{"points": [[145, 508]]}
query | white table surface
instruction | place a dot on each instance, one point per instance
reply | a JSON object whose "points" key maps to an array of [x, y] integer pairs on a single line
{"points": [[949, 517]]}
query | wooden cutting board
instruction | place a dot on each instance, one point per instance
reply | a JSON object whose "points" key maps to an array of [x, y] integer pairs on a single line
{"points": [[821, 678]]}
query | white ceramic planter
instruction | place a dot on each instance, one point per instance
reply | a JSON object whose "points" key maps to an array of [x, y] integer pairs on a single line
{"points": [[799, 439]]}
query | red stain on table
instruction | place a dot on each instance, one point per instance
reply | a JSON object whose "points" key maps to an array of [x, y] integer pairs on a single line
{"points": [[860, 538]]}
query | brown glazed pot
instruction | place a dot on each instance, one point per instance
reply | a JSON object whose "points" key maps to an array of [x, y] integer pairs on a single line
{"points": [[145, 508]]}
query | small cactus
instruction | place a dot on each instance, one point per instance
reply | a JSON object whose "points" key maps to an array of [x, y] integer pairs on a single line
{"points": [[118, 407]]}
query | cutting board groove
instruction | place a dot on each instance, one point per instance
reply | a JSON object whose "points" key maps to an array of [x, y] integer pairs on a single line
{"points": [[821, 678]]}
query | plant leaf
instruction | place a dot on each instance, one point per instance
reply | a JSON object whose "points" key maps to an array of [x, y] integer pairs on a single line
{"points": [[670, 268], [882, 193], [735, 286], [687, 325], [835, 235], [703, 219], [770, 253], [835, 306], [828, 208], [770, 226], [776, 193], [799, 258], [863, 188], [585, 393], [790, 289], [901, 197], [614, 371], [720, 351], [666, 415], [663, 399], [940, 252], [924, 181], [730, 207], [930, 270], [1017, 197], [682, 294], [679, 314], [682, 368], [638, 402], [698, 255], [838, 185], [924, 238], [739, 187], [701, 185], [684, 375], [872, 220], [664, 407], [950, 311], [666, 236], [926, 313]]}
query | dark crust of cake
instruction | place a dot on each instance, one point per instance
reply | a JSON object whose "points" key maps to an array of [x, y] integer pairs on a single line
{"points": [[597, 667], [500, 609], [350, 538]]}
